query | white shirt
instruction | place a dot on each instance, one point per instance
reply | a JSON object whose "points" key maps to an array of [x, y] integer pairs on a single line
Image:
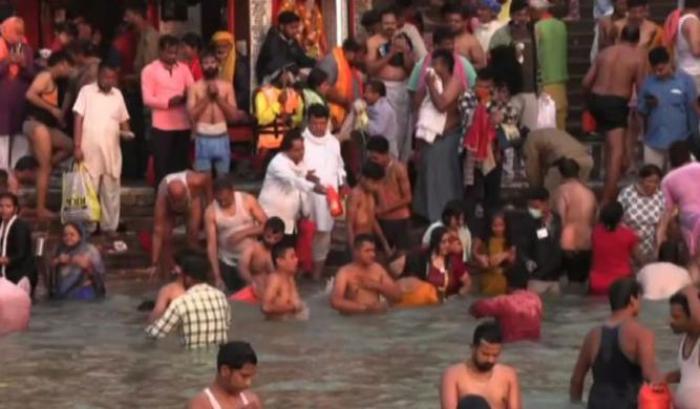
{"points": [[661, 280], [281, 194], [322, 155], [485, 31], [102, 114]]}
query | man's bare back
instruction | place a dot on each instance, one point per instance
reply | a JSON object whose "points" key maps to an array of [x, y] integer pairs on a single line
{"points": [[388, 72], [468, 46], [212, 114], [618, 69], [495, 387], [576, 205]]}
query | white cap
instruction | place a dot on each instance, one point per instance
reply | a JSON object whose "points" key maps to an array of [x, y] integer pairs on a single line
{"points": [[540, 4]]}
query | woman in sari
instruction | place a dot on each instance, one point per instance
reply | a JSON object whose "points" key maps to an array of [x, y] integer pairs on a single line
{"points": [[78, 269]]}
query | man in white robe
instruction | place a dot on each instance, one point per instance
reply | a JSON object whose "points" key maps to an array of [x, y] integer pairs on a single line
{"points": [[100, 118], [322, 156]]}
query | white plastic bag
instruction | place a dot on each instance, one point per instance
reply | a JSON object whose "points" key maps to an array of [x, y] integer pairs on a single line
{"points": [[79, 200], [546, 112]]}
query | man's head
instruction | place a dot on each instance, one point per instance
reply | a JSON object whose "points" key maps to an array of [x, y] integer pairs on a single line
{"points": [[60, 64], [660, 61], [364, 249], [284, 257], [374, 90], [223, 42], [625, 294], [371, 22], [318, 81], [293, 145], [273, 232], [135, 13], [649, 179], [236, 366], [443, 63], [289, 24], [107, 76], [678, 154], [487, 10], [444, 38], [25, 170], [318, 120], [378, 150], [81, 50], [473, 402], [210, 64], [167, 49], [484, 87], [519, 13], [681, 321], [637, 12], [354, 52], [455, 16], [568, 168], [12, 30], [223, 191], [630, 35], [538, 202], [486, 346], [190, 46], [372, 174], [179, 259], [195, 269], [85, 29], [453, 214], [65, 32], [389, 20]]}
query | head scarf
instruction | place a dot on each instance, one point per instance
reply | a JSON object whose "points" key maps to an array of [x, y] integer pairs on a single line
{"points": [[228, 68], [71, 277]]}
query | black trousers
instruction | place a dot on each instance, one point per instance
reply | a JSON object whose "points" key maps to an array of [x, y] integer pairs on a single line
{"points": [[169, 151], [486, 191]]}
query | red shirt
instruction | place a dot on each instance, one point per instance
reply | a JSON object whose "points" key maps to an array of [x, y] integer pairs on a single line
{"points": [[196, 68], [612, 251], [519, 314]]}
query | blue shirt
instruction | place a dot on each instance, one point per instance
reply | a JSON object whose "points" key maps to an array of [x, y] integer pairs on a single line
{"points": [[674, 117]]}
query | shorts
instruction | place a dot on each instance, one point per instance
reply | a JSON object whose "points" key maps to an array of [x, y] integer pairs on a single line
{"points": [[231, 276], [577, 264], [610, 111], [397, 232], [321, 246], [212, 152]]}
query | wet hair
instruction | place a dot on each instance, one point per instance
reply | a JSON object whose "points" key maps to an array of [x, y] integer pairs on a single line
{"points": [[138, 7], [290, 136], [316, 77], [193, 40], [352, 45], [370, 18], [280, 250], [288, 17], [568, 168], [442, 33], [223, 182], [679, 153], [274, 224], [507, 70], [488, 331], [435, 238], [473, 402], [378, 144], [453, 7], [12, 198], [446, 56], [669, 252], [196, 267], [235, 355], [650, 170], [318, 111], [611, 215], [59, 57], [453, 208], [659, 55], [517, 5], [167, 41], [621, 293], [377, 86], [26, 163], [361, 239], [538, 193], [630, 34], [637, 3]]}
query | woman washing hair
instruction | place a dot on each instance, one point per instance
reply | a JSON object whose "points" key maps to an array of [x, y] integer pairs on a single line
{"points": [[16, 258], [78, 269]]}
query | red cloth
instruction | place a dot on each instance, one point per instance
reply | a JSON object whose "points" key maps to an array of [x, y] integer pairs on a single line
{"points": [[612, 251], [671, 29], [305, 242], [519, 314], [245, 295], [456, 273], [196, 69], [481, 134]]}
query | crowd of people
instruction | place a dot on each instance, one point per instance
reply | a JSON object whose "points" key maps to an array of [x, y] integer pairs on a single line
{"points": [[382, 131]]}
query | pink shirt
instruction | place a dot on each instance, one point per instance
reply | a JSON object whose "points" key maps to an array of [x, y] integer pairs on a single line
{"points": [[158, 85], [519, 314], [681, 188]]}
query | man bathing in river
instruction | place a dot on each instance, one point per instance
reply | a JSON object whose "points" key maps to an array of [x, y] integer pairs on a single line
{"points": [[256, 262], [360, 286], [482, 375], [281, 298]]}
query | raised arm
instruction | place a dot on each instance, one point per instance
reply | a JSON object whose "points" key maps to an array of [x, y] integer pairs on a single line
{"points": [[373, 62], [443, 100]]}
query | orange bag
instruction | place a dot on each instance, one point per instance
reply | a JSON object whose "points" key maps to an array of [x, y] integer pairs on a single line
{"points": [[654, 399], [334, 203]]}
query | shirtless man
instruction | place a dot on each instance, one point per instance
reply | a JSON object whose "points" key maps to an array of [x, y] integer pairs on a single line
{"points": [[576, 205], [606, 25], [236, 366], [394, 195], [255, 263], [620, 352], [610, 82], [390, 58], [179, 194], [361, 206], [482, 375], [360, 286], [650, 33], [281, 299], [232, 221], [211, 103], [172, 290], [457, 19]]}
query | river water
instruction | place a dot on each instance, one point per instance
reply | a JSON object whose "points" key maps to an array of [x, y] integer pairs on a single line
{"points": [[95, 355]]}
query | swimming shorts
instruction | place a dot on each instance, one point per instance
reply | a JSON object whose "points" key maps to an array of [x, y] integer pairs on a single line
{"points": [[577, 264], [610, 111], [212, 151]]}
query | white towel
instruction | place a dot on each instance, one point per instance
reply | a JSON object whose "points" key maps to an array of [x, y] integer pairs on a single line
{"points": [[431, 122]]}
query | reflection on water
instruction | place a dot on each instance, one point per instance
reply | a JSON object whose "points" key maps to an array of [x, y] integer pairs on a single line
{"points": [[96, 356]]}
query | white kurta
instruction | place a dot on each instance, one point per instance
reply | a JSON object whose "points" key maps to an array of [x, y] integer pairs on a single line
{"points": [[322, 155], [282, 190], [102, 113]]}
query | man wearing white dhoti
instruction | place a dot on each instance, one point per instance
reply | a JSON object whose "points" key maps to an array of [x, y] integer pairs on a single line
{"points": [[100, 118], [322, 156]]}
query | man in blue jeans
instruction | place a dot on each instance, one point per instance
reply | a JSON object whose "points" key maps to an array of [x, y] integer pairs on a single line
{"points": [[667, 102], [211, 103]]}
